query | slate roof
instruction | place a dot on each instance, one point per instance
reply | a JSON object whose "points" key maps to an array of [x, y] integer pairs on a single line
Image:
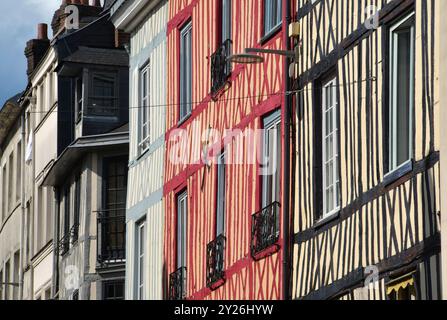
{"points": [[111, 57]]}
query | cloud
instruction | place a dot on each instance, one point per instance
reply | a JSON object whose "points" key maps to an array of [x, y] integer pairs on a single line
{"points": [[19, 24]]}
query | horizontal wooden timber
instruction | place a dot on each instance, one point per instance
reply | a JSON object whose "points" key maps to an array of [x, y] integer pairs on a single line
{"points": [[378, 191], [388, 12], [405, 259]]}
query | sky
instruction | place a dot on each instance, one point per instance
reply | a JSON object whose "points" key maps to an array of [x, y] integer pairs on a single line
{"points": [[18, 24]]}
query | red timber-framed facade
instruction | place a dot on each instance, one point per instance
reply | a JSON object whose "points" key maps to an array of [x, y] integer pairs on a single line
{"points": [[224, 233]]}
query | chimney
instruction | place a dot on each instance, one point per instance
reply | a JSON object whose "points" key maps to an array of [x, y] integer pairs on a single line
{"points": [[36, 48], [87, 11]]}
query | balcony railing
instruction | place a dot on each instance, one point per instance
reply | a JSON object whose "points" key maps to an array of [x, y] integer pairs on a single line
{"points": [[177, 284], [220, 66], [265, 229], [64, 244], [111, 236], [74, 233], [215, 261]]}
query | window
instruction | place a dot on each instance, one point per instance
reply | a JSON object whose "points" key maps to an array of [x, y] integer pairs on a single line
{"points": [[16, 275], [272, 15], [144, 110], [221, 184], [1, 285], [140, 265], [75, 295], [4, 194], [402, 288], [220, 65], [401, 92], [112, 219], [19, 171], [7, 280], [78, 99], [271, 166], [185, 71], [330, 175], [113, 290], [77, 210], [103, 95], [10, 181], [182, 211], [225, 20], [66, 231]]}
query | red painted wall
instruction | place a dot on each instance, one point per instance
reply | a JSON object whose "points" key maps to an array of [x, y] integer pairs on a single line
{"points": [[254, 91]]}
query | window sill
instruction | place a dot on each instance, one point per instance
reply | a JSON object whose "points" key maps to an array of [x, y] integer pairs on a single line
{"points": [[324, 221], [266, 252], [269, 35], [217, 284], [398, 173]]}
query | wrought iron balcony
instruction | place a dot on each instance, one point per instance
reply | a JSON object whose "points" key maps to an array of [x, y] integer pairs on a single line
{"points": [[220, 66], [111, 236], [64, 244], [177, 284], [215, 261], [74, 233], [265, 229]]}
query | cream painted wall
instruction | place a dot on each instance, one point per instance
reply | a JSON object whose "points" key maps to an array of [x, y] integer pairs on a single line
{"points": [[145, 179]]}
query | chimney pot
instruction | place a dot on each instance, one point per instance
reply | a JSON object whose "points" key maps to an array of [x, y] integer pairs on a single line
{"points": [[42, 31]]}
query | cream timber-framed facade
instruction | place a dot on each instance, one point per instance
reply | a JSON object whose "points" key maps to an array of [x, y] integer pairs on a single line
{"points": [[387, 95], [146, 23]]}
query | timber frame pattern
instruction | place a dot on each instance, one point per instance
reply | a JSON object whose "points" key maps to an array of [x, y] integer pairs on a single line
{"points": [[389, 224]]}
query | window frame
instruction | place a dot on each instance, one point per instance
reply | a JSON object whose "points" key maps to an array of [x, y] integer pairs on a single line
{"points": [[182, 229], [185, 90], [268, 6], [393, 169], [144, 140], [90, 97], [220, 213], [335, 159], [225, 15], [140, 259], [269, 123]]}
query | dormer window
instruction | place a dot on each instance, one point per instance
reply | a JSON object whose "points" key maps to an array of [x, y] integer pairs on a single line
{"points": [[103, 95]]}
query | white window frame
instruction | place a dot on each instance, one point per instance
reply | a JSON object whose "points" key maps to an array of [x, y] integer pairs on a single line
{"points": [[140, 259], [182, 229], [271, 22], [271, 123], [185, 71], [144, 127], [221, 195], [393, 165], [330, 206]]}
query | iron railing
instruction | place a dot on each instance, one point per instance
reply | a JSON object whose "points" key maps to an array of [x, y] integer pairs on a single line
{"points": [[177, 284], [111, 236], [74, 233], [221, 66], [215, 261], [64, 244], [265, 228]]}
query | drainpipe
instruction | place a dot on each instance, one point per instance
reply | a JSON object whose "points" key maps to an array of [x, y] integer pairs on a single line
{"points": [[286, 204], [22, 204]]}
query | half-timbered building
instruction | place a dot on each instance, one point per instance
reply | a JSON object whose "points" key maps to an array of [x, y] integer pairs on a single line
{"points": [[223, 234], [366, 171], [145, 24]]}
